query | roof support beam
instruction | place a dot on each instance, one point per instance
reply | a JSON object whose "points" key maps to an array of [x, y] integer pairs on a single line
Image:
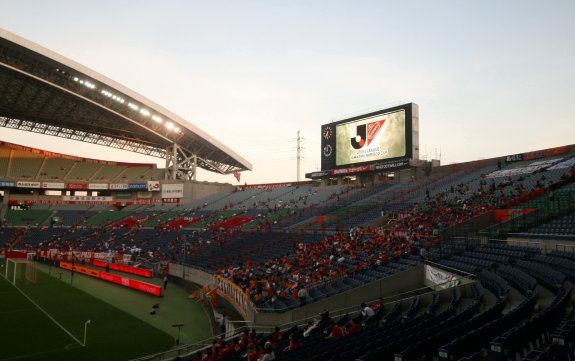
{"points": [[180, 164]]}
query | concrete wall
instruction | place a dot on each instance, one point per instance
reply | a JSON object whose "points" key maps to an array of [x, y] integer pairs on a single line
{"points": [[197, 190], [191, 274]]}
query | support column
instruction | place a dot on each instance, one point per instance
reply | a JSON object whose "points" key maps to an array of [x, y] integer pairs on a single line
{"points": [[179, 164], [194, 166]]}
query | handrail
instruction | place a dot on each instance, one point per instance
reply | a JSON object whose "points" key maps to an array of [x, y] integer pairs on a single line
{"points": [[456, 270]]}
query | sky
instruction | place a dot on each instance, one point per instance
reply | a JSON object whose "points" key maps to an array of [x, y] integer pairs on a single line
{"points": [[491, 78]]}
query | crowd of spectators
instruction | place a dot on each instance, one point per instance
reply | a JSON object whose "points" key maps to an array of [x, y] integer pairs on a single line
{"points": [[340, 255], [347, 253], [289, 277]]}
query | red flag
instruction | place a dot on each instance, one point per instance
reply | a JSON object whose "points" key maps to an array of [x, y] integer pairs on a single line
{"points": [[213, 297], [237, 175]]}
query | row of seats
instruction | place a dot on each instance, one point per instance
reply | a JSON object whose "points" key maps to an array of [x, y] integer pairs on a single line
{"points": [[477, 333], [526, 338], [533, 333]]}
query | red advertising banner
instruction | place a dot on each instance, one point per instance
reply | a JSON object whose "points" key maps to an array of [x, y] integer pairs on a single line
{"points": [[15, 254], [48, 201], [545, 153], [131, 283], [79, 159], [124, 281], [146, 201], [80, 269], [144, 165], [123, 268], [350, 170], [77, 186], [556, 151], [505, 215]]}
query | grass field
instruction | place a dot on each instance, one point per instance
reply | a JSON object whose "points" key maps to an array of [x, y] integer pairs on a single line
{"points": [[45, 320]]}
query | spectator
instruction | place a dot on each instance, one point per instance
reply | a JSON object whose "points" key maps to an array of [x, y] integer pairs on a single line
{"points": [[268, 354], [302, 295], [366, 311], [336, 332], [276, 336], [310, 327], [352, 328], [294, 343], [379, 305], [222, 322]]}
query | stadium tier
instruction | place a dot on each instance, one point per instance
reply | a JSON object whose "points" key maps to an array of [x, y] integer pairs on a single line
{"points": [[56, 168], [346, 243], [19, 162], [28, 165]]}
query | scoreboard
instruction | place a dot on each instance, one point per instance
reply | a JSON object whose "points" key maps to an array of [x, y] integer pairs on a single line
{"points": [[384, 136]]}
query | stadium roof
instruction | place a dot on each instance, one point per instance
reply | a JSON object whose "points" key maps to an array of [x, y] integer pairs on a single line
{"points": [[44, 92]]}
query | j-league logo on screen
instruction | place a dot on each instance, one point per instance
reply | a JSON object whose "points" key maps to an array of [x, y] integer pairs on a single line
{"points": [[366, 133]]}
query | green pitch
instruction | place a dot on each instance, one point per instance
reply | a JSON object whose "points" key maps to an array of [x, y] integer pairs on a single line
{"points": [[46, 320]]}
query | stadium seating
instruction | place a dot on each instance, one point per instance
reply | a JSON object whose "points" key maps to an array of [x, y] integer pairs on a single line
{"points": [[104, 218], [27, 167], [55, 168], [108, 173], [323, 238], [70, 218], [4, 160], [83, 171], [20, 218]]}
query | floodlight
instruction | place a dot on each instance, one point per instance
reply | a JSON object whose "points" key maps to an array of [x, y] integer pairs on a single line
{"points": [[170, 125], [157, 118]]}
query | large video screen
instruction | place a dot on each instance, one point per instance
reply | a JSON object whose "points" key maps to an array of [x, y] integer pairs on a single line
{"points": [[373, 138]]}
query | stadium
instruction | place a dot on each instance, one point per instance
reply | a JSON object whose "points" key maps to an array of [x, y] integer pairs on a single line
{"points": [[380, 255]]}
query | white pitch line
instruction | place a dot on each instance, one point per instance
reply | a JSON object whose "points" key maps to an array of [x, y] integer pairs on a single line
{"points": [[47, 314]]}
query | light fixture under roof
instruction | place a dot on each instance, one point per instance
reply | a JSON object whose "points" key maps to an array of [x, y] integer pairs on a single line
{"points": [[145, 112]]}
